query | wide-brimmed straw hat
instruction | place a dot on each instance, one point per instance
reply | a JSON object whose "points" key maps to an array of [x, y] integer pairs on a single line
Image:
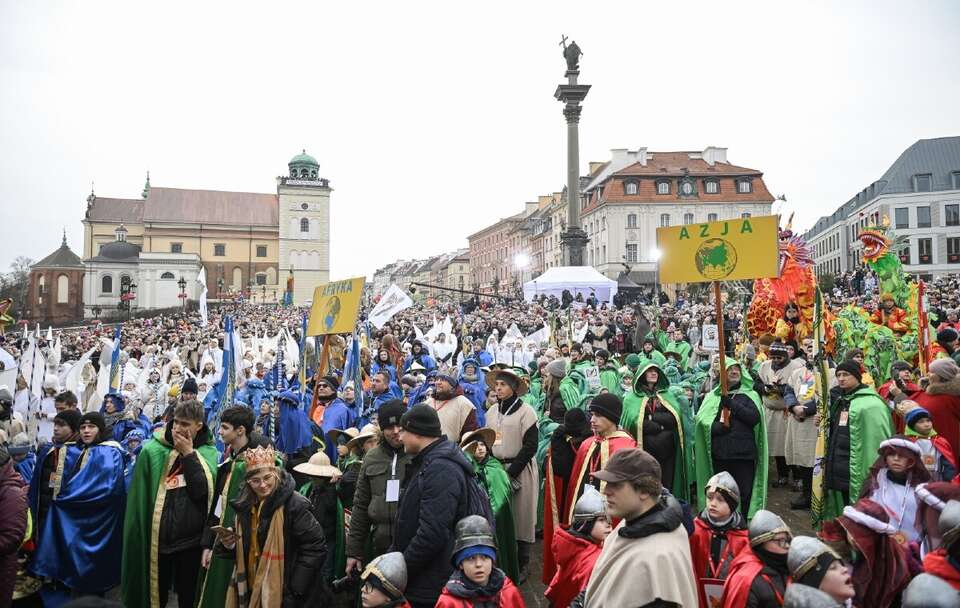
{"points": [[523, 383], [367, 432], [334, 434], [318, 466], [486, 435]]}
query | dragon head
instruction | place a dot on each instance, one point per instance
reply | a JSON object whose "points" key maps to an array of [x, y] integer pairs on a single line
{"points": [[875, 241], [793, 248]]}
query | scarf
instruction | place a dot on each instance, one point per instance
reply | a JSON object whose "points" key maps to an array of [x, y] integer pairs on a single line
{"points": [[267, 590], [487, 596]]}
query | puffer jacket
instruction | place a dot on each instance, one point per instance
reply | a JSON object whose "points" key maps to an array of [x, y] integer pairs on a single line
{"points": [[13, 526], [185, 509], [371, 512]]}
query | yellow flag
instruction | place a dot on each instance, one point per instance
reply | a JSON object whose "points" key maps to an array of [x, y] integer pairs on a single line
{"points": [[335, 308]]}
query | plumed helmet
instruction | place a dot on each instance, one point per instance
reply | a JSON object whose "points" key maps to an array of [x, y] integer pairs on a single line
{"points": [[949, 524], [473, 531], [724, 482], [764, 526], [589, 506], [390, 570], [805, 596], [929, 591], [804, 556]]}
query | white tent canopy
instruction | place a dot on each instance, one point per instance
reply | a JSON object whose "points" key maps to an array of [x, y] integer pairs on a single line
{"points": [[581, 279]]}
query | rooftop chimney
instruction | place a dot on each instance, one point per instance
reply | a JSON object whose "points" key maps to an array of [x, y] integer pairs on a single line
{"points": [[713, 155]]}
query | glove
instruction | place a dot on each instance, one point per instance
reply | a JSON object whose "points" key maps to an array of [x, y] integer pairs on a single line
{"points": [[726, 402]]}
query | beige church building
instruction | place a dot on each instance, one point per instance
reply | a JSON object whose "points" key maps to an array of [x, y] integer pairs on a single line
{"points": [[248, 243]]}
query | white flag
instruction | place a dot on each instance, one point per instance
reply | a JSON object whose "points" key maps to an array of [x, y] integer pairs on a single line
{"points": [[390, 304], [202, 280]]}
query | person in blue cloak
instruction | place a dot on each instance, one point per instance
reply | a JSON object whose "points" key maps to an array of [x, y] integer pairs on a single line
{"points": [[294, 435], [80, 544], [337, 413], [382, 390], [420, 393], [119, 420], [23, 456], [474, 388], [383, 363], [421, 356], [54, 462], [132, 443]]}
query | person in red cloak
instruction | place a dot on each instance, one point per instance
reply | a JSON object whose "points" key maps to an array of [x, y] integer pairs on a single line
{"points": [[558, 468], [719, 533], [897, 389], [945, 561], [889, 314], [759, 576], [941, 398], [863, 535], [577, 550], [933, 497]]}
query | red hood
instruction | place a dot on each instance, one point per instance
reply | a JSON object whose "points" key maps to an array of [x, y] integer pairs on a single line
{"points": [[569, 548]]}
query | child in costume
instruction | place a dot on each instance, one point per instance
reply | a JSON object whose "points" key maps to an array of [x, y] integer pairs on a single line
{"points": [[577, 550], [892, 483], [935, 451], [384, 581], [477, 582], [719, 533]]}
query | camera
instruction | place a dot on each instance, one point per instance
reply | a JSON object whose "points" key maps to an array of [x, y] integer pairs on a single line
{"points": [[350, 582]]}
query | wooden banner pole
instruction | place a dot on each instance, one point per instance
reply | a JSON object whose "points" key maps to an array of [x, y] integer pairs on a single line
{"points": [[321, 364]]}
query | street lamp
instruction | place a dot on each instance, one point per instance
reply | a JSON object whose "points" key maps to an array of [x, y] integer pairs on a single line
{"points": [[521, 262], [127, 294], [182, 284], [655, 258]]}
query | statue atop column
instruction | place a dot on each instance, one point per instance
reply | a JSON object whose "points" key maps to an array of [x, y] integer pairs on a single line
{"points": [[572, 54]]}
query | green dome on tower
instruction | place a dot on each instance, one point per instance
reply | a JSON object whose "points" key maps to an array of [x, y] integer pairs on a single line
{"points": [[303, 166]]}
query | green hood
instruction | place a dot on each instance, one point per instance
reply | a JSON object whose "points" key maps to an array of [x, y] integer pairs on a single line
{"points": [[662, 382], [746, 380]]}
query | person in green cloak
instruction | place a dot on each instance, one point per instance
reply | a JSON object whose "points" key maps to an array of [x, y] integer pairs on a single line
{"points": [[859, 422], [609, 377], [171, 492], [730, 435], [648, 352], [493, 477], [327, 509], [237, 424], [678, 344], [631, 363], [651, 414]]}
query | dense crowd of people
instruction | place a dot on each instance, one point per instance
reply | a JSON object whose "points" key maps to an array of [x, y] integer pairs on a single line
{"points": [[231, 463]]}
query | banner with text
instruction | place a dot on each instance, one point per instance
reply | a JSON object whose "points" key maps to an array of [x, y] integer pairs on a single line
{"points": [[335, 307]]}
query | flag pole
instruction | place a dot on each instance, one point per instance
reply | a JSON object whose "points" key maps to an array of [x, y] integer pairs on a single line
{"points": [[722, 372], [321, 365]]}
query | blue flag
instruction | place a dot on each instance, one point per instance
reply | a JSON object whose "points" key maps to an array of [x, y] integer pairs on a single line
{"points": [[222, 393], [115, 370]]}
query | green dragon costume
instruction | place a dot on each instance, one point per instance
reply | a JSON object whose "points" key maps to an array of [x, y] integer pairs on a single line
{"points": [[631, 420], [703, 456]]}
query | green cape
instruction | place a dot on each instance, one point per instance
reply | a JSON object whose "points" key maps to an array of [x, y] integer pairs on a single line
{"points": [[865, 440], [610, 380], [631, 421], [213, 590], [340, 546], [683, 349], [703, 456], [139, 575], [497, 483], [573, 388]]}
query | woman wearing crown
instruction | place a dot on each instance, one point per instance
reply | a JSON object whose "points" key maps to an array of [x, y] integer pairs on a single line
{"points": [[277, 543]]}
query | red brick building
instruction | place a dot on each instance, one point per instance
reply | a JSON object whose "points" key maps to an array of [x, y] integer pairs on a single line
{"points": [[56, 288]]}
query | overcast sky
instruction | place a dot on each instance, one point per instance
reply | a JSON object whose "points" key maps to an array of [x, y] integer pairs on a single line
{"points": [[434, 119]]}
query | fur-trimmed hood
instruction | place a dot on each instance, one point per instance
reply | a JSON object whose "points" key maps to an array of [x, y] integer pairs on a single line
{"points": [[951, 387]]}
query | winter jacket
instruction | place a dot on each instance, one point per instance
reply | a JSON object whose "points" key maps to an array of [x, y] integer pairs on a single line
{"points": [[575, 557], [304, 547], [13, 527], [459, 592], [434, 500], [942, 400], [185, 508], [371, 513], [735, 442]]}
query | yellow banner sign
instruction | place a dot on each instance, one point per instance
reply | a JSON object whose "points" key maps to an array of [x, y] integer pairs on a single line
{"points": [[335, 307], [729, 250]]}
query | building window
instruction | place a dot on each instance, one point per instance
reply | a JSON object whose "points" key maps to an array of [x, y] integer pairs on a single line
{"points": [[711, 217], [630, 188], [922, 183], [219, 249], [261, 279], [925, 250], [923, 217], [631, 253], [167, 275], [63, 289], [304, 225], [711, 186], [744, 186], [951, 214], [176, 247], [261, 251], [687, 218], [901, 217], [632, 220], [745, 215], [663, 187], [664, 220], [956, 180], [953, 250], [106, 284]]}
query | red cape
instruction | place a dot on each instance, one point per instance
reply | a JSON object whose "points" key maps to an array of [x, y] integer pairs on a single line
{"points": [[736, 589], [937, 564], [582, 467], [509, 597], [575, 557], [552, 499], [737, 541], [945, 412]]}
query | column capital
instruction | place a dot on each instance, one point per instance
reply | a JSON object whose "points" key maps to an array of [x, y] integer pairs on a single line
{"points": [[571, 112]]}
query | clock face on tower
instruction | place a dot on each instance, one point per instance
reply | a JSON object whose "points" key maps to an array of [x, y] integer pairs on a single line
{"points": [[304, 206]]}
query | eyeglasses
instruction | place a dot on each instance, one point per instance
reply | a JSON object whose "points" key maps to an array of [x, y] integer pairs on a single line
{"points": [[260, 481], [322, 385]]}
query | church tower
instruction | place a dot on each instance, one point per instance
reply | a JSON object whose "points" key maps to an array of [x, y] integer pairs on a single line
{"points": [[304, 200]]}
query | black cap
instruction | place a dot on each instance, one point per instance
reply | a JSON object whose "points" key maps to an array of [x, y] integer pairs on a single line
{"points": [[629, 465], [69, 417], [851, 367], [422, 420], [95, 418], [332, 381], [390, 413], [189, 386], [607, 405], [947, 335]]}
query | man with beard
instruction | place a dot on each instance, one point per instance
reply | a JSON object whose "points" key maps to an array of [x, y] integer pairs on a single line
{"points": [[457, 415], [775, 375]]}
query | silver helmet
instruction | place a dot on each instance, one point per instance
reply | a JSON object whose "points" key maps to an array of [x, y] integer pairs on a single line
{"points": [[764, 526], [805, 596], [804, 555], [589, 506], [391, 570], [724, 482], [949, 523], [929, 591], [473, 531]]}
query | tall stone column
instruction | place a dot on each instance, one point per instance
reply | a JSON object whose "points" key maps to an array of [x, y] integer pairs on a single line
{"points": [[573, 240]]}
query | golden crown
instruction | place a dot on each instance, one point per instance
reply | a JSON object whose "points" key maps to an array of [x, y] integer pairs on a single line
{"points": [[260, 457]]}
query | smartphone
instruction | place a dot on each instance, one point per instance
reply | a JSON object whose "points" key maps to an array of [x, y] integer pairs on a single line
{"points": [[221, 531]]}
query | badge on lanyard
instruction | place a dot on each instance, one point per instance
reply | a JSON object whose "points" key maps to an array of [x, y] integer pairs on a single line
{"points": [[844, 416], [393, 490], [499, 440], [177, 481]]}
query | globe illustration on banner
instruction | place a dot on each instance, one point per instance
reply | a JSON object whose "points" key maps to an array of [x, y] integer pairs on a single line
{"points": [[716, 259]]}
